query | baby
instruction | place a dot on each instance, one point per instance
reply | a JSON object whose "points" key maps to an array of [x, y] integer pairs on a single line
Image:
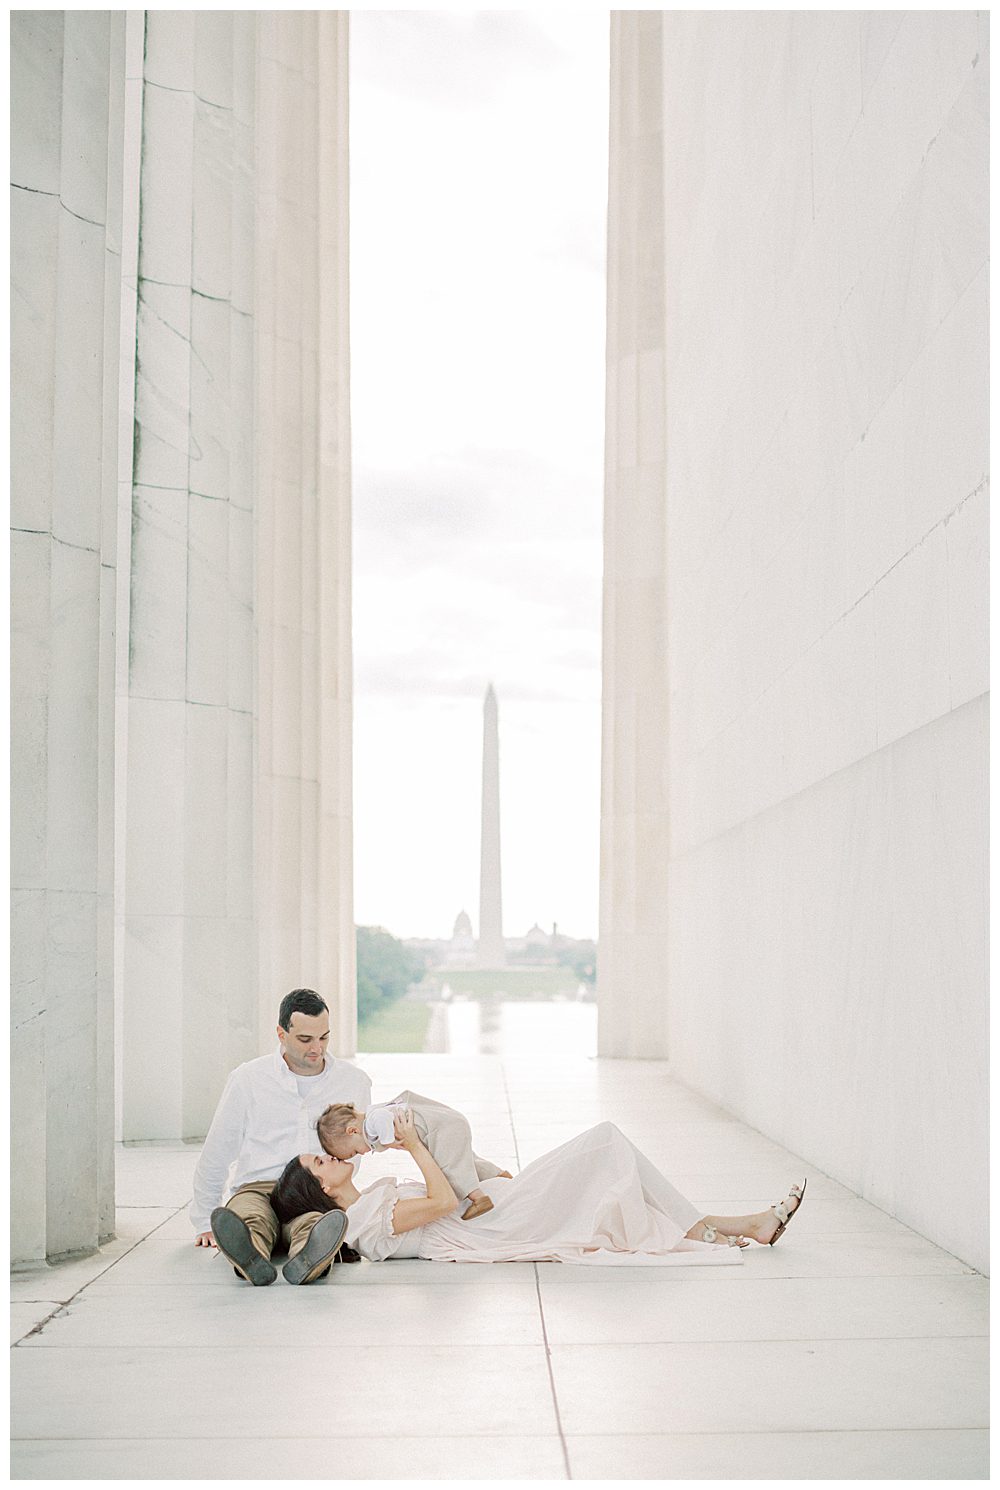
{"points": [[346, 1131]]}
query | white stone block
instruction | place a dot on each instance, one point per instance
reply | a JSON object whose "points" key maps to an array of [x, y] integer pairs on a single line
{"points": [[72, 708], [627, 413], [309, 715], [835, 98], [281, 933], [239, 872], [27, 1067], [212, 201], [78, 430], [205, 811], [834, 692], [71, 1060], [36, 74], [284, 558], [241, 394], [947, 415], [163, 386], [241, 639], [34, 222], [651, 408], [213, 57], [875, 498], [158, 625], [211, 413], [115, 146], [154, 867], [933, 248], [30, 678], [878, 30], [206, 1024], [242, 986], [966, 534], [286, 701], [911, 640], [152, 1039], [165, 249], [83, 178], [241, 269], [309, 831], [170, 49], [208, 601], [244, 65]]}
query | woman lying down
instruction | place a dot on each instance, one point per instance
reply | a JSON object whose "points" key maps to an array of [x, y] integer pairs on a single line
{"points": [[595, 1199]]}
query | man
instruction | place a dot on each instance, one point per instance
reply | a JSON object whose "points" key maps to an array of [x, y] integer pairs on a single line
{"points": [[267, 1114]]}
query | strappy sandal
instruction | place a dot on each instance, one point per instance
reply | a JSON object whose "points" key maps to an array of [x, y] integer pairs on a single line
{"points": [[782, 1212], [710, 1234]]}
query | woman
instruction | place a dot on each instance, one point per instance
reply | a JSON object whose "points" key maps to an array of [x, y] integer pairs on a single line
{"points": [[596, 1199]]}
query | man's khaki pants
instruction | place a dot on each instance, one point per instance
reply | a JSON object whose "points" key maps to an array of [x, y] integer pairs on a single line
{"points": [[250, 1203]]}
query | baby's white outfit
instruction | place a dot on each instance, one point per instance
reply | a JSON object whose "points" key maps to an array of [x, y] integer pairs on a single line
{"points": [[445, 1132]]}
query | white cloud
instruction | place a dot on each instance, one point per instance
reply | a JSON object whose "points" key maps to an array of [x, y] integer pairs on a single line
{"points": [[477, 211]]}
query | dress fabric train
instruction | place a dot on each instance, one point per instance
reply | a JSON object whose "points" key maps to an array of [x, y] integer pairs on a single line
{"points": [[594, 1200]]}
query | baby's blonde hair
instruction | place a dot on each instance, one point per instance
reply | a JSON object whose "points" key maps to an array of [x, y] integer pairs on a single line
{"points": [[333, 1122]]}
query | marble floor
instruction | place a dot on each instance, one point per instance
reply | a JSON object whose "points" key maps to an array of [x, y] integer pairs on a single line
{"points": [[854, 1349]]}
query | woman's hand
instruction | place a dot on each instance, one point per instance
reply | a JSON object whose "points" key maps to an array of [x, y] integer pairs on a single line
{"points": [[406, 1133]]}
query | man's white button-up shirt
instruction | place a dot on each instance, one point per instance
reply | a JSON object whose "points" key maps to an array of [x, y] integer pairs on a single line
{"points": [[262, 1121]]}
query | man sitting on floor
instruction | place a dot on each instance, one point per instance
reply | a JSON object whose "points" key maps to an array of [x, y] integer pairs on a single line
{"points": [[267, 1112]]}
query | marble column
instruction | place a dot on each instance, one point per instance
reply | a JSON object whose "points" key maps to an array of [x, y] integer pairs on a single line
{"points": [[189, 994], [67, 97], [490, 948], [632, 959], [302, 490]]}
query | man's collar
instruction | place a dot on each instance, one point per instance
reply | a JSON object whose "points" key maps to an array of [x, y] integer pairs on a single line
{"points": [[285, 1070]]}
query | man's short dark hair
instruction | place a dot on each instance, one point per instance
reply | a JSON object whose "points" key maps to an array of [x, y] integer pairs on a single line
{"points": [[300, 1001]]}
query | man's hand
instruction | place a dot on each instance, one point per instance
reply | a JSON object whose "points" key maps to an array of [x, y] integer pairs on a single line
{"points": [[205, 1239]]}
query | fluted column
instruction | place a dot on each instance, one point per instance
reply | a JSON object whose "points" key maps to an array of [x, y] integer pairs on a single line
{"points": [[303, 606], [632, 959], [68, 88], [189, 967], [490, 948]]}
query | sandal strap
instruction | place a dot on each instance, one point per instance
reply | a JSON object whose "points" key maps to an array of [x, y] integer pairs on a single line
{"points": [[710, 1233]]}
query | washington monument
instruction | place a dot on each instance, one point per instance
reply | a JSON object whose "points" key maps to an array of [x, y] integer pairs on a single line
{"points": [[490, 951]]}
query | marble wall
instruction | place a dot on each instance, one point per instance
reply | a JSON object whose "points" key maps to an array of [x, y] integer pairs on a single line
{"points": [[68, 99], [824, 285], [634, 795], [181, 587]]}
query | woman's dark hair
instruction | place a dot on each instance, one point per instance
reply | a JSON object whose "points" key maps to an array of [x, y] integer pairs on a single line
{"points": [[298, 1192], [300, 1001]]}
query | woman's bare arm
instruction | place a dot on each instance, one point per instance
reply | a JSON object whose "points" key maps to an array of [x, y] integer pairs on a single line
{"points": [[440, 1198]]}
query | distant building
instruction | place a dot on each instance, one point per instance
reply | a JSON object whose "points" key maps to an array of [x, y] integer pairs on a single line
{"points": [[461, 950]]}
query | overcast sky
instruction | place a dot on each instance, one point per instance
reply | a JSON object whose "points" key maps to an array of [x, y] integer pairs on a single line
{"points": [[478, 199]]}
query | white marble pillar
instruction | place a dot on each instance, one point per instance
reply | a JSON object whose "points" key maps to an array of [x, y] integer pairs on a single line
{"points": [[189, 992], [490, 952], [67, 97], [302, 494], [632, 958]]}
